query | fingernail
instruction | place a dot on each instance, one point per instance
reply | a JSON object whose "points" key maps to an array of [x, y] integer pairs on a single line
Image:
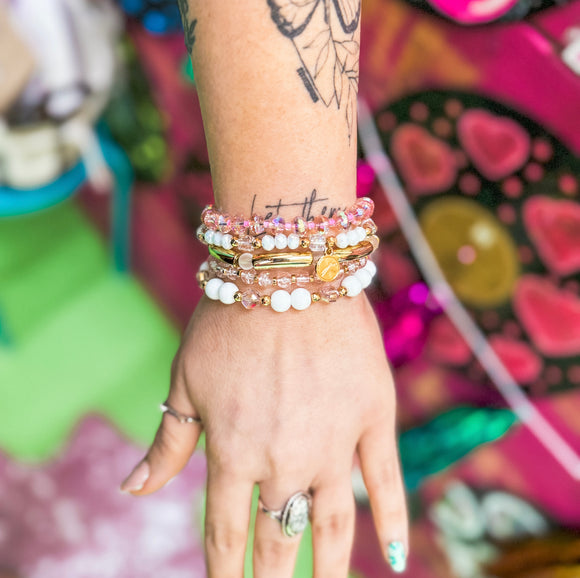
{"points": [[137, 479], [397, 556]]}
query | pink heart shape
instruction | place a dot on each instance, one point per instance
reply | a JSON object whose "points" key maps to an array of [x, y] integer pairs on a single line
{"points": [[446, 344], [519, 359], [554, 227], [497, 146], [550, 315], [427, 164]]}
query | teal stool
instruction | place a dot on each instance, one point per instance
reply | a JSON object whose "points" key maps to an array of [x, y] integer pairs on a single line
{"points": [[15, 202]]}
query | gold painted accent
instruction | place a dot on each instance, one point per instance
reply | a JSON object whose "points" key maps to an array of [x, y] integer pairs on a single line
{"points": [[342, 291], [316, 297], [266, 300], [237, 296], [328, 268]]}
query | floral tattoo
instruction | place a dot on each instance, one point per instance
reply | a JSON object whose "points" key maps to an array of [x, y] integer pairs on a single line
{"points": [[188, 24], [325, 35]]}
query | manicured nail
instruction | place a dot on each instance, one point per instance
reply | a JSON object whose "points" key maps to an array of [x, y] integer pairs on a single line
{"points": [[137, 479], [397, 556]]}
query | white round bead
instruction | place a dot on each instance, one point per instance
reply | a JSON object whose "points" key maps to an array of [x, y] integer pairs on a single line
{"points": [[342, 241], [208, 236], [281, 241], [280, 301], [362, 234], [293, 241], [371, 268], [217, 238], [352, 285], [301, 299], [212, 289], [352, 238], [246, 261], [364, 277], [227, 241], [227, 292], [204, 266], [268, 242]]}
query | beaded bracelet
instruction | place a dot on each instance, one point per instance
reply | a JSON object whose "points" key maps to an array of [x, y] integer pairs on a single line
{"points": [[281, 300]]}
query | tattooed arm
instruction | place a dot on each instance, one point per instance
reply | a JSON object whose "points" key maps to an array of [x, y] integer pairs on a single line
{"points": [[285, 400]]}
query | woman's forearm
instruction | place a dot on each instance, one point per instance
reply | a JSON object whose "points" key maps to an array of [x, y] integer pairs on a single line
{"points": [[277, 82]]}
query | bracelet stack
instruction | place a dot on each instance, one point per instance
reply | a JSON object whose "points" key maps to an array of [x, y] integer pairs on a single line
{"points": [[282, 265]]}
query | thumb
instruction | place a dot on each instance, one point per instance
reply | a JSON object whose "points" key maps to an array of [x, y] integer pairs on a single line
{"points": [[174, 444]]}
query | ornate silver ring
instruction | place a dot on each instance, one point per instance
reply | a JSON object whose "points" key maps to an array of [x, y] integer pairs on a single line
{"points": [[293, 517]]}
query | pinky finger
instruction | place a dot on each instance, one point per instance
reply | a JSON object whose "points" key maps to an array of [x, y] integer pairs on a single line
{"points": [[382, 476]]}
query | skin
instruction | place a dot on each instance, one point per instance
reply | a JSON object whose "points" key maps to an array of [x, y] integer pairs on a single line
{"points": [[286, 400]]}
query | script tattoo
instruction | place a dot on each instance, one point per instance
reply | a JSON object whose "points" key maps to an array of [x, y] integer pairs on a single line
{"points": [[307, 207], [188, 25], [325, 35]]}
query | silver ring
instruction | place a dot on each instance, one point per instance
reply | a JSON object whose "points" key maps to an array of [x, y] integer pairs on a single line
{"points": [[293, 517], [165, 408]]}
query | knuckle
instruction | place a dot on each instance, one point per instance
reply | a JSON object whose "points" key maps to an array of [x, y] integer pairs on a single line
{"points": [[221, 539], [271, 552], [382, 477], [334, 525]]}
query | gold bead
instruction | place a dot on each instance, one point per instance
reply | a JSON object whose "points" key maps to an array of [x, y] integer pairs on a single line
{"points": [[316, 297], [257, 243], [201, 276], [203, 284], [311, 278], [201, 237], [331, 241], [234, 242], [274, 281], [304, 243], [342, 291], [237, 296], [293, 279], [266, 300]]}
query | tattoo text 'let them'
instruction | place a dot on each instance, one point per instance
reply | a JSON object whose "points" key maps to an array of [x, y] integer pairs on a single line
{"points": [[309, 206]]}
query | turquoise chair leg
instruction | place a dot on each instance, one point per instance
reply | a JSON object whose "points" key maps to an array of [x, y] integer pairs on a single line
{"points": [[121, 203]]}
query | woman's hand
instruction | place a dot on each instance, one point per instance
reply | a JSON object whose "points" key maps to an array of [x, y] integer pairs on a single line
{"points": [[286, 400]]}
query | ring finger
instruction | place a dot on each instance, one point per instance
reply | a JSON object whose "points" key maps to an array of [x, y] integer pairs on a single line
{"points": [[274, 552]]}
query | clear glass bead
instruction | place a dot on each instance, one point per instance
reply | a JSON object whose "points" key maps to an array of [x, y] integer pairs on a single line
{"points": [[248, 277], [224, 223], [264, 279], [250, 299], [302, 279], [284, 281], [245, 243], [329, 295], [256, 226], [317, 243]]}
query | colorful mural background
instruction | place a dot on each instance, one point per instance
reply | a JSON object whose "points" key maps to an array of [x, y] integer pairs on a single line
{"points": [[481, 124]]}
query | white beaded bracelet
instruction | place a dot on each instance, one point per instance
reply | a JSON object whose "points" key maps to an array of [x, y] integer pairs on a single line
{"points": [[280, 300]]}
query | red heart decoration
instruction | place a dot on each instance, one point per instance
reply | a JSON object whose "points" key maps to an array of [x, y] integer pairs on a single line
{"points": [[427, 164], [497, 146], [446, 344], [554, 227], [519, 359], [550, 315]]}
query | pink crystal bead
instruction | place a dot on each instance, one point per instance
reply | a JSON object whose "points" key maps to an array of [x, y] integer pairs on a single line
{"points": [[248, 277], [321, 223], [317, 243], [231, 273], [342, 219], [367, 205], [278, 225], [239, 226], [329, 295], [224, 223], [209, 217], [302, 279], [246, 244], [256, 225], [299, 225], [250, 299], [264, 279], [284, 281], [311, 226]]}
